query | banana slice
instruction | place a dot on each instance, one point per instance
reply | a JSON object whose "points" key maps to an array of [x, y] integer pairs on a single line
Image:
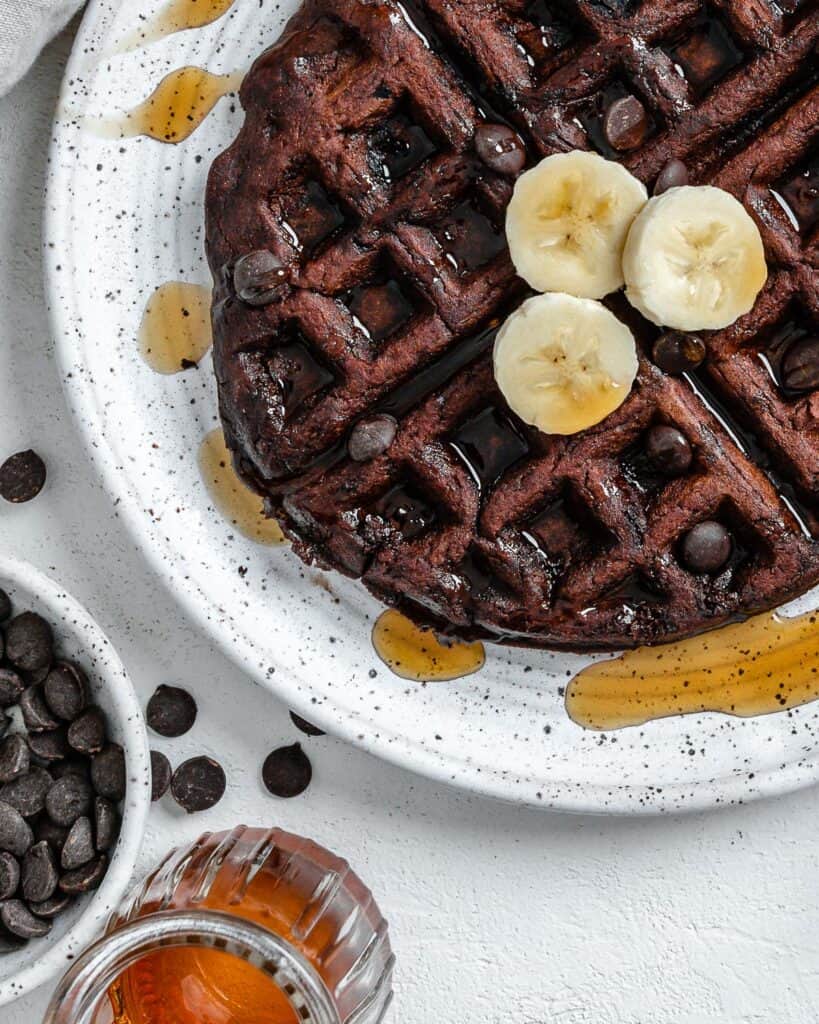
{"points": [[567, 223], [694, 259], [563, 363]]}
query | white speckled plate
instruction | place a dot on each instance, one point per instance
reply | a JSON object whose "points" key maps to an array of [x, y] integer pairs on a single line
{"points": [[126, 216]]}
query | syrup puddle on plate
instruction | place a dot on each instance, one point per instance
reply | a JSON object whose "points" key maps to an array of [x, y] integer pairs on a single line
{"points": [[175, 16], [175, 332], [173, 111], [236, 502], [766, 664], [417, 654]]}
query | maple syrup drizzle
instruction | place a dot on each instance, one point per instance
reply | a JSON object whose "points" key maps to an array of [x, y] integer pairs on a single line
{"points": [[417, 654], [173, 111], [175, 16], [175, 332], [236, 502], [766, 664]]}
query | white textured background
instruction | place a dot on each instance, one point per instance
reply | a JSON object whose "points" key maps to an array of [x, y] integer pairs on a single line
{"points": [[499, 915]]}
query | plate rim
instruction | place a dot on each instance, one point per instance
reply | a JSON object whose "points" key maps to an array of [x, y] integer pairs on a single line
{"points": [[573, 797]]}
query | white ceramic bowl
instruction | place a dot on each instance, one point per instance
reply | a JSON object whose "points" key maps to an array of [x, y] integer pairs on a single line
{"points": [[79, 637]]}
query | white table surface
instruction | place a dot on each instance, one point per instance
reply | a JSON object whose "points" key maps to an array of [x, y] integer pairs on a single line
{"points": [[499, 915]]}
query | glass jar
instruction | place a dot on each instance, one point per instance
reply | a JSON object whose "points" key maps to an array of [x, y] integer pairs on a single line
{"points": [[250, 926]]}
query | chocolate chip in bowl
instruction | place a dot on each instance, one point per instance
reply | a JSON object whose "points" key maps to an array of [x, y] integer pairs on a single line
{"points": [[74, 779]]}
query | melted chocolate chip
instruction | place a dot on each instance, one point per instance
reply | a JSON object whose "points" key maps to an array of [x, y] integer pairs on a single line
{"points": [[673, 175], [371, 437], [625, 123], [676, 352], [500, 148], [800, 367], [259, 278], [707, 547], [669, 450]]}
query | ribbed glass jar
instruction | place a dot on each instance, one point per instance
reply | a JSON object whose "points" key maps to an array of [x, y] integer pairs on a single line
{"points": [[240, 927]]}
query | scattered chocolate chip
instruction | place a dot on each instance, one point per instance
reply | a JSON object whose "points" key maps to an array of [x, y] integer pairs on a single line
{"points": [[108, 773], [669, 450], [86, 734], [11, 687], [19, 920], [287, 772], [29, 642], [16, 836], [706, 547], [306, 727], [371, 437], [198, 784], [46, 831], [160, 775], [800, 367], [27, 793], [9, 875], [49, 746], [85, 878], [673, 175], [259, 278], [51, 907], [39, 873], [22, 476], [69, 798], [36, 716], [106, 824], [66, 690], [500, 148], [78, 848], [675, 352], [625, 123], [5, 605], [171, 711]]}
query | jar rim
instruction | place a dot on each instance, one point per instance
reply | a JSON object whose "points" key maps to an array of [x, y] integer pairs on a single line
{"points": [[86, 984]]}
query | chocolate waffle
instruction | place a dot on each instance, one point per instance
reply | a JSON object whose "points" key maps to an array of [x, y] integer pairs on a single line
{"points": [[357, 169]]}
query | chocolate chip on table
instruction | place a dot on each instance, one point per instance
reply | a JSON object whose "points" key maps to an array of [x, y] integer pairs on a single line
{"points": [[106, 824], [371, 437], [160, 775], [39, 873], [11, 687], [171, 711], [9, 875], [69, 798], [66, 690], [51, 907], [78, 848], [22, 476], [676, 352], [86, 734], [625, 123], [29, 642], [5, 605], [707, 547], [673, 175], [108, 773], [198, 784], [16, 836], [800, 367], [36, 715], [287, 772], [85, 878], [304, 726], [500, 148], [27, 793], [19, 920], [668, 449], [259, 277], [49, 746]]}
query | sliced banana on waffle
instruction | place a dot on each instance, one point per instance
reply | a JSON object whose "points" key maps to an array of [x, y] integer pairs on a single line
{"points": [[563, 363], [567, 222], [694, 259]]}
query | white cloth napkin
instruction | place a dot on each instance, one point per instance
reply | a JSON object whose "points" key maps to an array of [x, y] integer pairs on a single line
{"points": [[25, 27]]}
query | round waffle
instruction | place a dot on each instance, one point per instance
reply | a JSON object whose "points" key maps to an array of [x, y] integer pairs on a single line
{"points": [[357, 169]]}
